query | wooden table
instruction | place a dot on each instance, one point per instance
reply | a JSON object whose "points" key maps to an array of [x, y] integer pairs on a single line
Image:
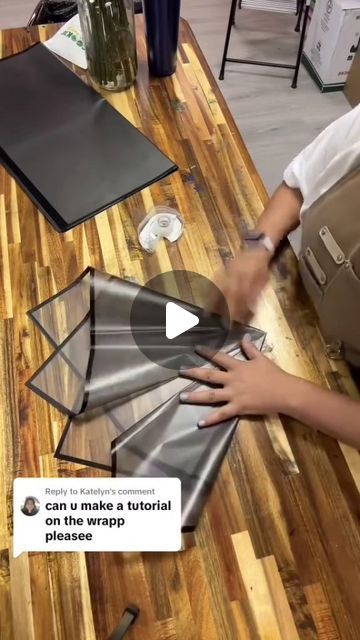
{"points": [[277, 552]]}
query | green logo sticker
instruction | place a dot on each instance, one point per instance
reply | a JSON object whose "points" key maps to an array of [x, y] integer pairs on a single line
{"points": [[75, 37]]}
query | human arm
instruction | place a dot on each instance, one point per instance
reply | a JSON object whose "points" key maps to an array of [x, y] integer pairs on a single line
{"points": [[243, 279], [332, 413], [308, 175], [260, 387]]}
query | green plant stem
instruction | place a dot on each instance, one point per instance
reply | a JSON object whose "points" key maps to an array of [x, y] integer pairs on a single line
{"points": [[113, 48]]}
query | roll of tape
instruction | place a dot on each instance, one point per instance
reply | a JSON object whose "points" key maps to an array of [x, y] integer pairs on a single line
{"points": [[161, 222]]}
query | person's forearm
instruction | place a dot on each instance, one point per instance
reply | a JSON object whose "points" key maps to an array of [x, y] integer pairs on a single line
{"points": [[282, 213], [328, 411]]}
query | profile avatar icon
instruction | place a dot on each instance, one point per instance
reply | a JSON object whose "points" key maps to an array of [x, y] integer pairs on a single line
{"points": [[31, 506]]}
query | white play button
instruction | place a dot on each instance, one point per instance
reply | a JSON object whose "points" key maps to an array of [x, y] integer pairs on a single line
{"points": [[168, 329], [178, 320]]}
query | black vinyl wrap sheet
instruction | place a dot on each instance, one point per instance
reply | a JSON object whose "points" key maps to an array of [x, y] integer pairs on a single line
{"points": [[124, 410]]}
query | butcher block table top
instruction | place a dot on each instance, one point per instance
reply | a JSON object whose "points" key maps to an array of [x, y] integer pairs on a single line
{"points": [[277, 552]]}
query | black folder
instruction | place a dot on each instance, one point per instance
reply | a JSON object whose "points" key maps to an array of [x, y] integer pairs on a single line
{"points": [[70, 150]]}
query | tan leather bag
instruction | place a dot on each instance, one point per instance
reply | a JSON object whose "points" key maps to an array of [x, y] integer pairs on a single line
{"points": [[330, 265]]}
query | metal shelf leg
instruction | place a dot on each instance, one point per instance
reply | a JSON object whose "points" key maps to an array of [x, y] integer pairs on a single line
{"points": [[301, 44], [227, 39]]}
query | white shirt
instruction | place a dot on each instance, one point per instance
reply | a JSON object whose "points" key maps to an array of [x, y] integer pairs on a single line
{"points": [[333, 154]]}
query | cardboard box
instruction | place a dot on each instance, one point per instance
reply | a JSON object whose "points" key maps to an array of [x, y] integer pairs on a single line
{"points": [[352, 87], [332, 41]]}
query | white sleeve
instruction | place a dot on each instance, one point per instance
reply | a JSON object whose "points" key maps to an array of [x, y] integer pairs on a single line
{"points": [[309, 164]]}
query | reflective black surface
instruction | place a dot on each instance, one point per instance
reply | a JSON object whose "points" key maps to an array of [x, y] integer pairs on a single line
{"points": [[72, 153]]}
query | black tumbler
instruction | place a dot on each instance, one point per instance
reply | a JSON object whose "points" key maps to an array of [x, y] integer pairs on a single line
{"points": [[162, 19]]}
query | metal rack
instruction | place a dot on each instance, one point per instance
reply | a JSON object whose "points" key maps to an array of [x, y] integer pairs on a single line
{"points": [[280, 6]]}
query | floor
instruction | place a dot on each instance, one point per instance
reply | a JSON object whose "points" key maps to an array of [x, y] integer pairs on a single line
{"points": [[275, 120]]}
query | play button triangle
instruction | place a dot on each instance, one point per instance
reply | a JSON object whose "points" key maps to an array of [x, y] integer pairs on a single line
{"points": [[178, 320]]}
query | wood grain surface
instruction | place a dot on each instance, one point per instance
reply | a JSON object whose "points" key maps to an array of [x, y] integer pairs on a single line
{"points": [[277, 553]]}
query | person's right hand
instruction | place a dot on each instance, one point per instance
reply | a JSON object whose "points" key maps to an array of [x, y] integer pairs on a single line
{"points": [[241, 282]]}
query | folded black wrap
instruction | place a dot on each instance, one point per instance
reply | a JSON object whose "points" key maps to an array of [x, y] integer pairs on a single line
{"points": [[124, 410]]}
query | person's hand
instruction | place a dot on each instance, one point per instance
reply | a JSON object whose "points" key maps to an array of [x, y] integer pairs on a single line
{"points": [[241, 283], [255, 387]]}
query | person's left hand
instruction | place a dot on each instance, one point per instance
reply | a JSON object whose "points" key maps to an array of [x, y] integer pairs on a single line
{"points": [[255, 387]]}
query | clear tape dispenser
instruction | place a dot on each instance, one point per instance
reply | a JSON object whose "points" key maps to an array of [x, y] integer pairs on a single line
{"points": [[161, 222]]}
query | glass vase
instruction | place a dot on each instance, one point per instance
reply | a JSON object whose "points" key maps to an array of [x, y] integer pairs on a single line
{"points": [[108, 30]]}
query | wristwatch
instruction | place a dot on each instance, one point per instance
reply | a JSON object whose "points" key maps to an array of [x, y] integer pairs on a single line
{"points": [[255, 239]]}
